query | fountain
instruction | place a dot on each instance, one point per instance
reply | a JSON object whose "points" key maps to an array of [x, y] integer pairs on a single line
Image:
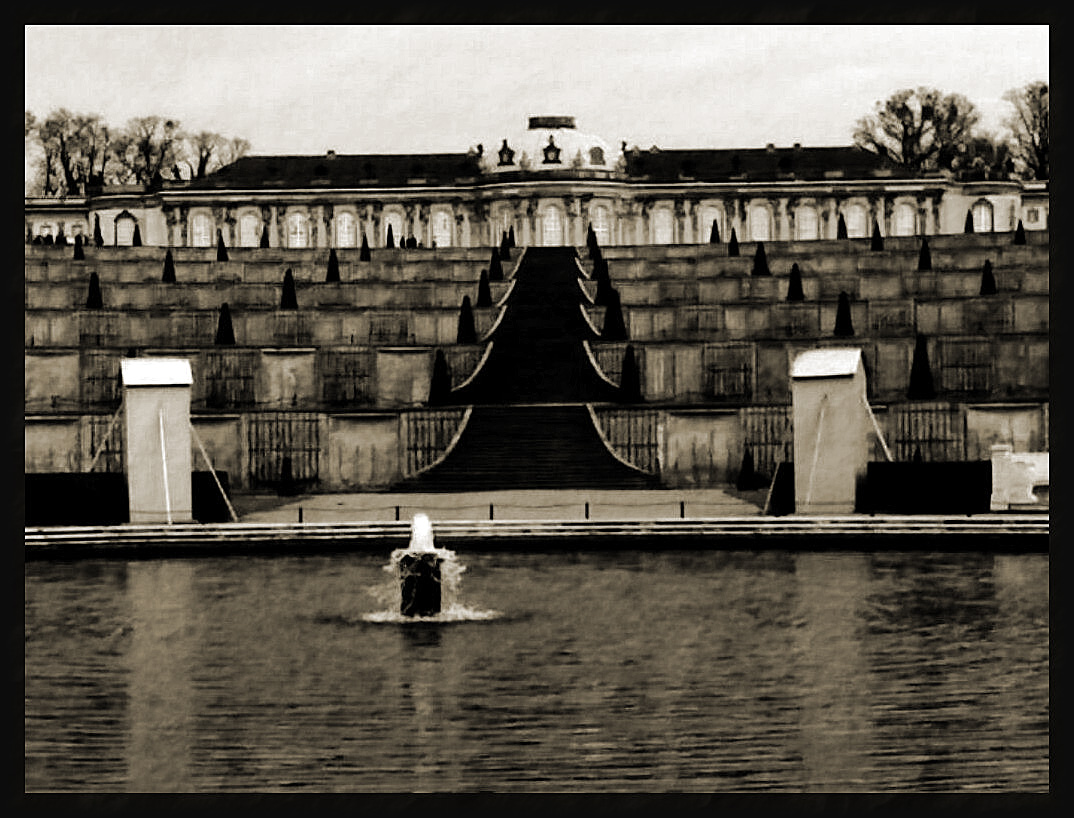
{"points": [[418, 567]]}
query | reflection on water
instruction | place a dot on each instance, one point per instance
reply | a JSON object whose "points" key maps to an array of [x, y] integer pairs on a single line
{"points": [[632, 671]]}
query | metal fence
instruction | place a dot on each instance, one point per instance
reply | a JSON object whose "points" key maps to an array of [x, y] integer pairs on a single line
{"points": [[936, 429], [283, 446], [767, 431], [427, 434], [633, 435]]}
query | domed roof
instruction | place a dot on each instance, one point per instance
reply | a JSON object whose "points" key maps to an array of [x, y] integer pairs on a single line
{"points": [[550, 143]]}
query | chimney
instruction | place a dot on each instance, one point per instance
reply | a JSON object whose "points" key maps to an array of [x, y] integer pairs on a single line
{"points": [[798, 146], [770, 148], [331, 154]]}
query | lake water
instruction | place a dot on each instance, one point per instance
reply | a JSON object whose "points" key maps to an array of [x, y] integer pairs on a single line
{"points": [[626, 671]]}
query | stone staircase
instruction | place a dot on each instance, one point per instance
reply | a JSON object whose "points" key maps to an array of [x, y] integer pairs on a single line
{"points": [[530, 427]]}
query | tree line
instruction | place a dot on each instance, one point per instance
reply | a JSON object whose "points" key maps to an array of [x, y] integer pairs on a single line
{"points": [[73, 152], [923, 129]]}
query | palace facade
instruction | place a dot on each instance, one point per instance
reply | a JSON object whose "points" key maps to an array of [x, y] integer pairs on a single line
{"points": [[547, 184]]}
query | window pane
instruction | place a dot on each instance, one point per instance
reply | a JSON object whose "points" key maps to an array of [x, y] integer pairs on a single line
{"points": [[124, 232], [203, 236], [708, 216], [551, 228], [602, 225], [759, 223], [662, 226], [806, 223], [296, 230], [345, 230], [855, 219], [982, 217], [905, 219], [442, 229], [249, 230]]}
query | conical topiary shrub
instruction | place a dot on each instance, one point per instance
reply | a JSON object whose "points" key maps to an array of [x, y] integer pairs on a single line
{"points": [[1019, 233], [225, 333], [968, 227], [94, 301], [748, 479], [732, 245], [29, 235], [98, 237], [389, 242], [614, 326], [604, 282], [440, 386], [760, 261], [844, 327], [917, 458], [80, 253], [332, 275], [714, 233], [505, 247], [630, 379], [924, 258], [921, 386], [988, 281], [221, 250], [364, 254], [136, 239], [168, 277], [598, 258], [49, 240], [467, 333], [495, 268], [794, 285], [841, 228], [877, 243], [61, 239], [288, 297], [264, 243], [511, 236], [484, 292]]}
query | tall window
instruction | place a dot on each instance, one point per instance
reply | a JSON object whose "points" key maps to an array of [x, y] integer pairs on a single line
{"points": [[602, 225], [708, 216], [396, 222], [806, 224], [760, 223], [905, 220], [202, 230], [345, 229], [982, 217], [551, 228], [442, 228], [856, 221], [662, 232], [249, 230], [124, 231], [297, 230]]}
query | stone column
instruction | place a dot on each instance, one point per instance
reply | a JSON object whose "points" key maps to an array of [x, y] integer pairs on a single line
{"points": [[889, 210], [678, 223], [457, 238], [266, 223], [327, 214], [936, 226], [171, 222], [273, 226], [281, 224], [531, 222]]}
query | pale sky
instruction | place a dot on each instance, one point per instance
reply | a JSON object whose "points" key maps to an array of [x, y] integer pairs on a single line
{"points": [[412, 89]]}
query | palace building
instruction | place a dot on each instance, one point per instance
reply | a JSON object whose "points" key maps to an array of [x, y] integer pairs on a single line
{"points": [[547, 184]]}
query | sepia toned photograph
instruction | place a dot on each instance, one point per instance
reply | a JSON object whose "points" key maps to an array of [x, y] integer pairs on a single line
{"points": [[517, 409]]}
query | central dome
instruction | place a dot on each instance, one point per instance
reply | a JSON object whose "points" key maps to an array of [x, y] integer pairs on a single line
{"points": [[550, 143]]}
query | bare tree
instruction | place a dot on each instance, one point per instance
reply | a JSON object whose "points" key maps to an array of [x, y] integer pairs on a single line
{"points": [[145, 147], [206, 152], [1029, 128], [920, 129]]}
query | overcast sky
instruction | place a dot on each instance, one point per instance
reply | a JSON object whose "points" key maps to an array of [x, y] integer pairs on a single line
{"points": [[402, 88]]}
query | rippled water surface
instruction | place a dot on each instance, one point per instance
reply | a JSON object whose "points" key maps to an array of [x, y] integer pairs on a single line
{"points": [[627, 671]]}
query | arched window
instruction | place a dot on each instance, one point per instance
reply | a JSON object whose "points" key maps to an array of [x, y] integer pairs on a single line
{"points": [[202, 230], [662, 232], [856, 222], [708, 216], [806, 224], [125, 230], [345, 229], [551, 228], [442, 228], [602, 224], [982, 217], [249, 230], [297, 235], [760, 223], [396, 221], [596, 157], [905, 220]]}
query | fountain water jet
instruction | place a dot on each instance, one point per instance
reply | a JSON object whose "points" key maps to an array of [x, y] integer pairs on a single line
{"points": [[419, 571]]}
